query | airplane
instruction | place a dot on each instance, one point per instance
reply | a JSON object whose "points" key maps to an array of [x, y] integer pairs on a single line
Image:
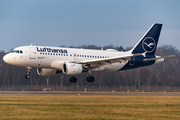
{"points": [[52, 60]]}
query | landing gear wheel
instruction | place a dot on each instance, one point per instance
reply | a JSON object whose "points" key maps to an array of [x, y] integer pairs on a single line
{"points": [[73, 79], [90, 79], [27, 76]]}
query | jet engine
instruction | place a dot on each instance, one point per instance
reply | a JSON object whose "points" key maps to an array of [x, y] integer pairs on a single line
{"points": [[46, 72], [72, 68]]}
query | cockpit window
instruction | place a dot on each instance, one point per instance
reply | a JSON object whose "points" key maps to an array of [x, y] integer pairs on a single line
{"points": [[13, 51], [17, 51]]}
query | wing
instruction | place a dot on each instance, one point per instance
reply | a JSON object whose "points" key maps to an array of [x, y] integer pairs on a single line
{"points": [[107, 61]]}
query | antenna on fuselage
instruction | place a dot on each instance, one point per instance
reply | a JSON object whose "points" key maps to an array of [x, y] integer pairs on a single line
{"points": [[31, 44]]}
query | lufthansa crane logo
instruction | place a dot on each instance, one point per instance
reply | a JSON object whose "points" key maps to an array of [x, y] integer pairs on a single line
{"points": [[149, 44]]}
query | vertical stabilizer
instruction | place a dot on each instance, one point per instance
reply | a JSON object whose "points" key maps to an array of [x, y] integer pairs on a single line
{"points": [[149, 41]]}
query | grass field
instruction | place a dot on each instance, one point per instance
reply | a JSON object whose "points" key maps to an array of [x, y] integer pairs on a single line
{"points": [[87, 107]]}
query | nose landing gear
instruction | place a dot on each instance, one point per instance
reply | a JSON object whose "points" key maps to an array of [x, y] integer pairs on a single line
{"points": [[27, 76]]}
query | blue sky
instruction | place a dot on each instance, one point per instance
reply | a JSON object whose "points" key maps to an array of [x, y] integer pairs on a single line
{"points": [[83, 22]]}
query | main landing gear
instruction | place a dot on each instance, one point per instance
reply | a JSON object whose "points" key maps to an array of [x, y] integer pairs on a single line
{"points": [[73, 79], [28, 73], [90, 78]]}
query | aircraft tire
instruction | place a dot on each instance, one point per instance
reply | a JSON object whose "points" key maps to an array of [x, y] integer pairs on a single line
{"points": [[90, 79], [73, 79], [27, 76]]}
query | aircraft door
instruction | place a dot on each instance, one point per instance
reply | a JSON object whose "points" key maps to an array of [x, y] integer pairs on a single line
{"points": [[32, 53]]}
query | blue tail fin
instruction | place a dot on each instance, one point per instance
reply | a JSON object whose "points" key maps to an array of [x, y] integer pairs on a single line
{"points": [[149, 41]]}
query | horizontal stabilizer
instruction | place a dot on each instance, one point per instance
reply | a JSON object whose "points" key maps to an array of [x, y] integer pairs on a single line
{"points": [[159, 57]]}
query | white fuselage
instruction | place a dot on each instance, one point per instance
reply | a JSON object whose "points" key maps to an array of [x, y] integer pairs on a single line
{"points": [[43, 56]]}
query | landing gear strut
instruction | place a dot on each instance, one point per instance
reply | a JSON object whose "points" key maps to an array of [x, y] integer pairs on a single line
{"points": [[73, 79], [28, 73], [90, 78]]}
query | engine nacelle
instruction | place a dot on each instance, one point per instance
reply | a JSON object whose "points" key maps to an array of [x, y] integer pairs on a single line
{"points": [[72, 68], [46, 72], [57, 64]]}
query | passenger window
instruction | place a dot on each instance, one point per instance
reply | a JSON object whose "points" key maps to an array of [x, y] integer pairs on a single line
{"points": [[70, 54], [66, 54], [82, 55], [77, 55]]}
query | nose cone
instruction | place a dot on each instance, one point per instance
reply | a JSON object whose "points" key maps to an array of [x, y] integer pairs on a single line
{"points": [[7, 58]]}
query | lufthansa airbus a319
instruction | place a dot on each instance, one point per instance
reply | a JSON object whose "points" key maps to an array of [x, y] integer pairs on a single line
{"points": [[52, 60]]}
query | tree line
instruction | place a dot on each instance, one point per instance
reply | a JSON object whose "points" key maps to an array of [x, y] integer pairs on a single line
{"points": [[162, 74]]}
